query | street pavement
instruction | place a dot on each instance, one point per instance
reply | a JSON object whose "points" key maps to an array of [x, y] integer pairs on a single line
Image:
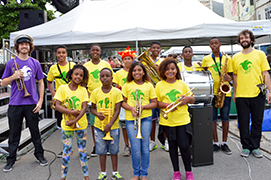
{"points": [[225, 167]]}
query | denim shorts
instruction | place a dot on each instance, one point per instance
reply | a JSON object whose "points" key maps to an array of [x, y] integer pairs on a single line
{"points": [[224, 111], [102, 145]]}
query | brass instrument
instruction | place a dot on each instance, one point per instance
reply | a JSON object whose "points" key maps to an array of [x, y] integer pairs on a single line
{"points": [[19, 82], [138, 118], [175, 104], [107, 113], [224, 86], [147, 60]]}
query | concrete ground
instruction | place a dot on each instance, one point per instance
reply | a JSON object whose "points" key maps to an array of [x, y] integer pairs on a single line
{"points": [[225, 167]]}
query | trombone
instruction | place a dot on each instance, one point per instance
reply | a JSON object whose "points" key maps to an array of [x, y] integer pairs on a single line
{"points": [[68, 104], [107, 113], [175, 104], [19, 82], [138, 117]]}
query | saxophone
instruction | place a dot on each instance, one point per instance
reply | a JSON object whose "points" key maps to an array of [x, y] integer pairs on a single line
{"points": [[224, 86]]}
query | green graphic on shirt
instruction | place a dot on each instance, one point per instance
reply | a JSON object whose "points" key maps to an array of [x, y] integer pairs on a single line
{"points": [[106, 103], [63, 76], [95, 74], [139, 93], [247, 66], [74, 101], [173, 95], [124, 80], [215, 66]]}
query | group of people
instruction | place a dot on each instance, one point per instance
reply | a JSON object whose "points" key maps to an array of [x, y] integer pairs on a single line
{"points": [[135, 104]]}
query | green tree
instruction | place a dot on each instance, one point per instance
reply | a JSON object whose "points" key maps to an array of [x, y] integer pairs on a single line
{"points": [[9, 15]]}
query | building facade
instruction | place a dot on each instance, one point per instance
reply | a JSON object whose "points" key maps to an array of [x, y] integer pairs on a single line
{"points": [[263, 9]]}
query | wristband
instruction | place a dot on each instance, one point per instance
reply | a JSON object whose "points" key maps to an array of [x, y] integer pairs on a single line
{"points": [[167, 105]]}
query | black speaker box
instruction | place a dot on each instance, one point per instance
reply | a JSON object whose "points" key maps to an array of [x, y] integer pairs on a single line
{"points": [[30, 18], [202, 127]]}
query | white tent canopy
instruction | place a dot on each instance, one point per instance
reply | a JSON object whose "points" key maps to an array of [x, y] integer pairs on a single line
{"points": [[122, 23]]}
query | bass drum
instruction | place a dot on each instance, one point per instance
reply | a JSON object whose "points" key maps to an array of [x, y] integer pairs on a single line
{"points": [[203, 84]]}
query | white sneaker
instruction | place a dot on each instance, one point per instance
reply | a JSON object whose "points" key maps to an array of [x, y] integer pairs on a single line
{"points": [[165, 147], [152, 145]]}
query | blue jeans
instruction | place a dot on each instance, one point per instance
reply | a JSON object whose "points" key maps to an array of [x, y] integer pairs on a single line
{"points": [[224, 111], [140, 147]]}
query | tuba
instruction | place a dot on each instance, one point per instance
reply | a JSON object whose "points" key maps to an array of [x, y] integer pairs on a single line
{"points": [[138, 117], [224, 86], [146, 60], [107, 113], [19, 82], [176, 103]]}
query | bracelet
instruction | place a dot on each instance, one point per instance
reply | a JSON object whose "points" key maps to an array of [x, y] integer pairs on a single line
{"points": [[167, 105]]}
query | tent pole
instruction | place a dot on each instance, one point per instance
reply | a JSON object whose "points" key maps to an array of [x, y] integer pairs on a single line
{"points": [[136, 47]]}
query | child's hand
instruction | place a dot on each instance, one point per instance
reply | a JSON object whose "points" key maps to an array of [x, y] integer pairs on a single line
{"points": [[170, 106], [70, 123], [184, 100], [101, 116], [107, 128], [134, 111], [75, 112]]}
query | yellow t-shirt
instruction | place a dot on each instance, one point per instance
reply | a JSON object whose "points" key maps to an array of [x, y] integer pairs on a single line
{"points": [[169, 93], [208, 61], [249, 68], [101, 100], [120, 77], [197, 67], [94, 74], [78, 96], [158, 61], [146, 91], [55, 74]]}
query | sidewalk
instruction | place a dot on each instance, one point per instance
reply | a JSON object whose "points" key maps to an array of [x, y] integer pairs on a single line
{"points": [[226, 167]]}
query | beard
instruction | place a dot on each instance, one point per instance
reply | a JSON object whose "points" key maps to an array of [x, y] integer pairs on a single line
{"points": [[246, 46]]}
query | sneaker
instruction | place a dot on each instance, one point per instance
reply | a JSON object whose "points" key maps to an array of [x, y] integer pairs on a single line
{"points": [[189, 175], [165, 146], [59, 155], [42, 161], [245, 153], [117, 176], [225, 148], [88, 156], [176, 175], [8, 167], [257, 153], [152, 145], [127, 151], [102, 177], [93, 153], [179, 153], [215, 148]]}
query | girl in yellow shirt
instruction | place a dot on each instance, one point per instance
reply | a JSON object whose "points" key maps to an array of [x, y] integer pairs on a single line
{"points": [[138, 85], [177, 126]]}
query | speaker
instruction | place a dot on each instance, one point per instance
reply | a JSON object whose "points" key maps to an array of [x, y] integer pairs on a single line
{"points": [[30, 18], [202, 128]]}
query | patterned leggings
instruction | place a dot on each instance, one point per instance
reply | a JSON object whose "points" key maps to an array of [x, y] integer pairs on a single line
{"points": [[67, 137]]}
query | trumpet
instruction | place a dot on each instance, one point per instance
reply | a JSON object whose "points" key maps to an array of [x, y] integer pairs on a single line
{"points": [[107, 113], [19, 82], [175, 104], [138, 117], [68, 104]]}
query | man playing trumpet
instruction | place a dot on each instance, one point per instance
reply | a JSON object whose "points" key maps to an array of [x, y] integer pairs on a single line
{"points": [[25, 103]]}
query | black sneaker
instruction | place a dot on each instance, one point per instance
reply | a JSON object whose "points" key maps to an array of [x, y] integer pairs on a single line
{"points": [[42, 161], [225, 148], [88, 156], [8, 167], [215, 148], [59, 155], [93, 154]]}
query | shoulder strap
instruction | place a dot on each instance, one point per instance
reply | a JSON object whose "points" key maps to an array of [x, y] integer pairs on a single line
{"points": [[61, 73], [220, 56]]}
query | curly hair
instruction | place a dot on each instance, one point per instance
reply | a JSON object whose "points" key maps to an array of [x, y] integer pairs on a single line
{"points": [[251, 35], [162, 68], [134, 64], [16, 47], [78, 66]]}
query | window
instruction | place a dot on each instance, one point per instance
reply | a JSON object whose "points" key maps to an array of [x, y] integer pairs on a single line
{"points": [[268, 13]]}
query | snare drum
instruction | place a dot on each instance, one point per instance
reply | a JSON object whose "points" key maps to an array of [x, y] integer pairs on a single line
{"points": [[203, 84]]}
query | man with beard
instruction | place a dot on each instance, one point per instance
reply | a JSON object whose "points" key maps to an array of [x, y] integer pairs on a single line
{"points": [[250, 68], [20, 106], [214, 63]]}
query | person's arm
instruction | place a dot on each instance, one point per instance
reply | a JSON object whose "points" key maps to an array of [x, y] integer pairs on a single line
{"points": [[81, 113], [41, 95], [63, 110], [234, 87], [50, 87], [267, 82], [17, 75], [95, 113], [128, 107], [107, 128], [151, 105]]}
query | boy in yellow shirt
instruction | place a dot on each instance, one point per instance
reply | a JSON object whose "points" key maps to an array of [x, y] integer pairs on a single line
{"points": [[187, 64]]}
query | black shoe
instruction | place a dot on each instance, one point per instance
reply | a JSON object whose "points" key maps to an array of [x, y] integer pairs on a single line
{"points": [[93, 154], [225, 148], [215, 148], [60, 155], [8, 167], [42, 161]]}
